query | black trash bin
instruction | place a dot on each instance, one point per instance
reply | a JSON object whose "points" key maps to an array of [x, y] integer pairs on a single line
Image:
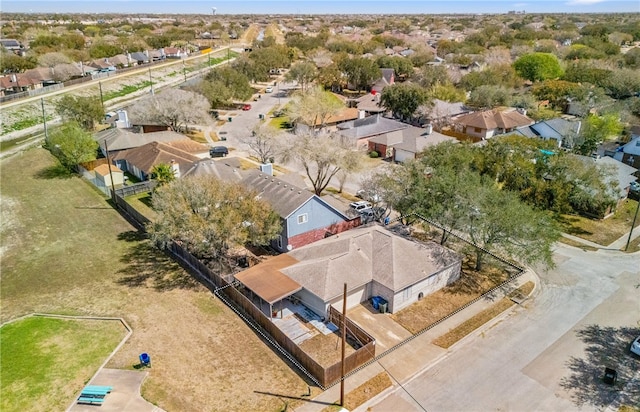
{"points": [[610, 376]]}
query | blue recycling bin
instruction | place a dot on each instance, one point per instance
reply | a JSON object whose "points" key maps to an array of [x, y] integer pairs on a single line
{"points": [[145, 359], [375, 301]]}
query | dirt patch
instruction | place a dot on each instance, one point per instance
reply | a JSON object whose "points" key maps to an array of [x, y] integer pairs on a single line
{"points": [[326, 349], [363, 393], [473, 323], [445, 301], [9, 223]]}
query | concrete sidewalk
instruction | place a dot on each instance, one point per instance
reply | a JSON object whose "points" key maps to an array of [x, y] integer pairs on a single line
{"points": [[417, 354]]}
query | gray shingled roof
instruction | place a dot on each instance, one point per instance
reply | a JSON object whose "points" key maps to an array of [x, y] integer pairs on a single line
{"points": [[366, 254], [284, 197], [416, 144], [121, 139], [369, 127], [227, 169]]}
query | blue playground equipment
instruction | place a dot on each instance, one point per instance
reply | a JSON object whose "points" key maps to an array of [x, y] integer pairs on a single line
{"points": [[145, 359]]}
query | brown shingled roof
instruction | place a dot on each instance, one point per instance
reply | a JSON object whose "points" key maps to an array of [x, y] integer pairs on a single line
{"points": [[492, 119], [266, 280], [147, 156]]}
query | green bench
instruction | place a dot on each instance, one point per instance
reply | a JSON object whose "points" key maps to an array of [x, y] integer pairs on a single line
{"points": [[99, 388]]}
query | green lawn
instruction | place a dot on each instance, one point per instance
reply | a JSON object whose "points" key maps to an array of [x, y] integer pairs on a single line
{"points": [[45, 361]]}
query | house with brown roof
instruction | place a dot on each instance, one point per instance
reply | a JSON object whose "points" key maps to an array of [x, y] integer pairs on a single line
{"points": [[306, 217], [181, 154], [371, 260], [489, 123]]}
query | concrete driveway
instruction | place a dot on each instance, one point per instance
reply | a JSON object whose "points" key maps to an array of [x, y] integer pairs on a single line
{"points": [[549, 355], [386, 332]]}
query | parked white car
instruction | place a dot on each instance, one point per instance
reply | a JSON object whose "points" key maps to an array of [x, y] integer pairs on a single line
{"points": [[360, 206], [269, 89], [635, 346]]}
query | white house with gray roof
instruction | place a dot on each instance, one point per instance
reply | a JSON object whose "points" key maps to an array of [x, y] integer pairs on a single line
{"points": [[373, 261]]}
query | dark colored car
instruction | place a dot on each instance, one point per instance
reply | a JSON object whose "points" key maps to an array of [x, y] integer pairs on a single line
{"points": [[218, 151]]}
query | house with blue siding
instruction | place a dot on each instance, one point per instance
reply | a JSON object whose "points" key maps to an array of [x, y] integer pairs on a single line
{"points": [[305, 216]]}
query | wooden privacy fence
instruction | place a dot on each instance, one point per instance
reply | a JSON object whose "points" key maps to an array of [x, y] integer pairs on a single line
{"points": [[324, 376]]}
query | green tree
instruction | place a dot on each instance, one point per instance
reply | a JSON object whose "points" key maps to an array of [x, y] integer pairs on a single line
{"points": [[303, 73], [488, 97], [402, 67], [84, 110], [361, 72], [222, 85], [623, 83], [314, 107], [102, 49], [210, 217], [403, 99], [331, 78], [598, 129], [72, 145], [538, 66], [12, 63], [500, 221]]}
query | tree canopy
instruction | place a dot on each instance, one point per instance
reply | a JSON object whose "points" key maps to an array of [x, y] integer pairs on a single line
{"points": [[322, 157], [443, 186], [538, 66], [173, 108], [403, 99], [72, 145], [210, 217], [85, 111]]}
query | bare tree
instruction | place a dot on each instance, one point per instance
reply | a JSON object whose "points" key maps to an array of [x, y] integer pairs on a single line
{"points": [[263, 142], [173, 108], [322, 157]]}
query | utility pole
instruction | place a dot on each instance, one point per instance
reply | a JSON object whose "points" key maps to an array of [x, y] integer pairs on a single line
{"points": [[150, 80], [101, 96], [184, 71], [113, 187], [44, 119], [344, 342], [633, 224]]}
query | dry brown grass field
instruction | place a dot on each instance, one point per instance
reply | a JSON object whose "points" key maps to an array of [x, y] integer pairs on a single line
{"points": [[65, 250]]}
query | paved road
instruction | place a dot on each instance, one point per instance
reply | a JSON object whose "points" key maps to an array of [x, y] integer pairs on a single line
{"points": [[550, 355]]}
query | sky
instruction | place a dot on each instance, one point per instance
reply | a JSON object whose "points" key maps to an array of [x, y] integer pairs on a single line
{"points": [[319, 6]]}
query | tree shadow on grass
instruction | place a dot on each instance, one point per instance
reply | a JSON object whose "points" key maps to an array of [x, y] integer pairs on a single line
{"points": [[56, 171], [146, 266], [605, 347]]}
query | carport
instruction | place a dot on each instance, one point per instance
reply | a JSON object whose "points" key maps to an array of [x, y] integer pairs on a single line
{"points": [[268, 283]]}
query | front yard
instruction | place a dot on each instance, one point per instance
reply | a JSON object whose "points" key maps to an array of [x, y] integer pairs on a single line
{"points": [[603, 231]]}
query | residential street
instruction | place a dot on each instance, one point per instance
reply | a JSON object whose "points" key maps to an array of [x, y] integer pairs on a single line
{"points": [[549, 355]]}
